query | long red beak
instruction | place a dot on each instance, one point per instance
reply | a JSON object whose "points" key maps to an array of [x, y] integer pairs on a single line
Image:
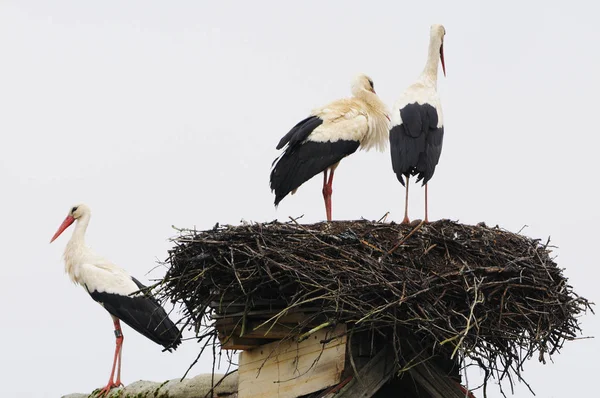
{"points": [[65, 224], [442, 58]]}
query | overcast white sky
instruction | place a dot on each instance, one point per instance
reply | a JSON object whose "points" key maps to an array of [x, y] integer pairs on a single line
{"points": [[156, 113]]}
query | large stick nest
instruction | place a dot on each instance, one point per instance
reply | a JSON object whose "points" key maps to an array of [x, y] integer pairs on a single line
{"points": [[484, 293]]}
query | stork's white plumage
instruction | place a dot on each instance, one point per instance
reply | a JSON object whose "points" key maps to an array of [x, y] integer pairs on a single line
{"points": [[117, 291], [319, 142], [417, 129]]}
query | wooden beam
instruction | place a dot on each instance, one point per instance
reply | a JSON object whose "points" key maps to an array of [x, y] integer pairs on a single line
{"points": [[288, 369], [436, 383], [241, 343], [231, 340], [370, 377], [231, 326], [428, 376], [265, 313], [425, 378], [277, 332]]}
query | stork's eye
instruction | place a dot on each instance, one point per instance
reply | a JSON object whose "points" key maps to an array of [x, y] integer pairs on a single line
{"points": [[74, 209], [371, 83]]}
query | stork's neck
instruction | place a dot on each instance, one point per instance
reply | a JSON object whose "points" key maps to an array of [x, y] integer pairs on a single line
{"points": [[78, 237], [76, 248], [430, 72]]}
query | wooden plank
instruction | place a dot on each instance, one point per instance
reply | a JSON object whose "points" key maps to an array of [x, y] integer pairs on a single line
{"points": [[293, 318], [241, 343], [226, 326], [264, 313], [371, 376], [426, 374], [436, 383], [275, 303], [231, 338], [288, 369], [277, 332]]}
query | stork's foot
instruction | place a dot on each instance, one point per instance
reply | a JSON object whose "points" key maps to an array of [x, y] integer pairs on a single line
{"points": [[103, 392], [405, 221]]}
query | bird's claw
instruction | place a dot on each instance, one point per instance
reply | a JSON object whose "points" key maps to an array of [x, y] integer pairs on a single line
{"points": [[103, 392]]}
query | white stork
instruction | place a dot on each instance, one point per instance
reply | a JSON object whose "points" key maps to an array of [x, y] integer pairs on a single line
{"points": [[319, 142], [417, 123], [112, 287]]}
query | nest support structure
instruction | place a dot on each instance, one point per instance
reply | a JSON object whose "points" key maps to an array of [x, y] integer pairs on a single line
{"points": [[457, 291]]}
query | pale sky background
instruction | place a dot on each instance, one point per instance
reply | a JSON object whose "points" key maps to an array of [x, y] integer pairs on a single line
{"points": [[156, 113]]}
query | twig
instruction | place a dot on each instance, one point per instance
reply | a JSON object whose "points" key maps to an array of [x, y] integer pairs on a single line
{"points": [[406, 237]]}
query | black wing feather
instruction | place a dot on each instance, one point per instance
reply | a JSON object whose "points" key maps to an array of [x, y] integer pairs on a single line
{"points": [[143, 314], [300, 132], [301, 162], [416, 144], [302, 159]]}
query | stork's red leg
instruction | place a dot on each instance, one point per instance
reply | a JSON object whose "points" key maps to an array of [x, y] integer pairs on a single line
{"points": [[330, 191], [406, 220], [118, 344], [426, 217], [330, 182], [327, 191]]}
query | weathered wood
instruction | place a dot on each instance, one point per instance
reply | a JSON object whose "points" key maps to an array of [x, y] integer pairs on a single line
{"points": [[264, 313], [436, 383], [230, 329], [255, 303], [423, 377], [370, 377], [241, 343], [288, 369], [253, 335], [265, 332], [289, 320]]}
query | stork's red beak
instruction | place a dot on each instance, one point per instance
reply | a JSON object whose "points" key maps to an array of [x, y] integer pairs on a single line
{"points": [[65, 224], [442, 58]]}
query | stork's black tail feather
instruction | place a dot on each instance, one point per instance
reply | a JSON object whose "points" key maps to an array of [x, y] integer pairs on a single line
{"points": [[143, 314], [296, 167], [416, 143]]}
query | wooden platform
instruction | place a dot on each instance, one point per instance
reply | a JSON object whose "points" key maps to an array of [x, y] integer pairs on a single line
{"points": [[244, 331], [288, 353], [288, 369]]}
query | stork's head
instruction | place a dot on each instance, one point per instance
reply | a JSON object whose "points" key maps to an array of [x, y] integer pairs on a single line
{"points": [[75, 213], [437, 33], [362, 83]]}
